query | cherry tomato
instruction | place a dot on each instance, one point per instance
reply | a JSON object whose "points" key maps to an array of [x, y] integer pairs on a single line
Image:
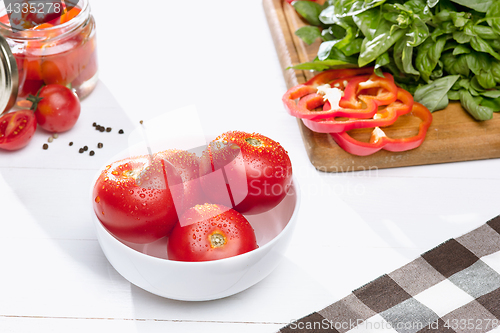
{"points": [[16, 129], [69, 15], [187, 165], [210, 232], [256, 172], [56, 108], [134, 199]]}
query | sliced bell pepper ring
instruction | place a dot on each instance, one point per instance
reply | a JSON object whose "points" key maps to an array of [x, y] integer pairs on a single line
{"points": [[310, 86], [361, 98], [379, 139], [382, 118]]}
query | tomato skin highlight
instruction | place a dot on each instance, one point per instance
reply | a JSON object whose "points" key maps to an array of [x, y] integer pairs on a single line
{"points": [[258, 175], [187, 165], [16, 129], [134, 199], [59, 109], [210, 232]]}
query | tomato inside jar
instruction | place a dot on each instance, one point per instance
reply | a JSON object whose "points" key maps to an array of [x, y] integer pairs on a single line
{"points": [[58, 50]]}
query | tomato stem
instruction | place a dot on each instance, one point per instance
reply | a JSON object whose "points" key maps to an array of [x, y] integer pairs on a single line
{"points": [[254, 142], [217, 240], [35, 100]]}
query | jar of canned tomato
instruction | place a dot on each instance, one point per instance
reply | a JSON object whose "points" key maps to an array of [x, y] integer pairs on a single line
{"points": [[52, 47]]}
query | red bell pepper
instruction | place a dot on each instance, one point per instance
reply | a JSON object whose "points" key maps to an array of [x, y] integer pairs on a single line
{"points": [[362, 95], [379, 139], [383, 117]]}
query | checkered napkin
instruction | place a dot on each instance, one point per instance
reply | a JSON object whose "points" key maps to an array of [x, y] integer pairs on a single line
{"points": [[454, 287]]}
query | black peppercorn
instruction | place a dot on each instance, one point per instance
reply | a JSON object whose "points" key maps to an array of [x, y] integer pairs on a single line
{"points": [[120, 131], [45, 146], [100, 145], [91, 153]]}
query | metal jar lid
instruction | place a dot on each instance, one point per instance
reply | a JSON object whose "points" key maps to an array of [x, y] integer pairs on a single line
{"points": [[9, 77]]}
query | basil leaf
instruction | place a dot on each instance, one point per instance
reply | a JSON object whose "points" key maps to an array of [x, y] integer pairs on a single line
{"points": [[491, 103], [491, 94], [382, 41], [354, 7], [495, 69], [320, 66], [333, 32], [328, 50], [493, 16], [309, 10], [428, 56], [403, 56], [474, 84], [486, 80], [453, 95], [481, 45], [368, 22], [455, 65], [478, 5], [474, 107], [432, 3], [383, 60], [484, 32], [461, 37], [308, 34], [461, 49], [435, 95], [353, 47]]}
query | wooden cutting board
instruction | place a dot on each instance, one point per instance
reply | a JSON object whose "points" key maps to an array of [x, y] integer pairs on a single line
{"points": [[453, 136]]}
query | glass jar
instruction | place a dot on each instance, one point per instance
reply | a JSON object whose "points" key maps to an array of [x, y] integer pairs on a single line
{"points": [[62, 51]]}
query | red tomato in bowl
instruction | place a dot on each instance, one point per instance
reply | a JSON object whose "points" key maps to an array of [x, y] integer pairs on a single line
{"points": [[187, 165], [256, 172], [210, 232], [134, 199], [16, 129], [58, 108]]}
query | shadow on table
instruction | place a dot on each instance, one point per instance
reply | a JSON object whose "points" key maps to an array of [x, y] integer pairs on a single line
{"points": [[274, 300], [53, 185]]}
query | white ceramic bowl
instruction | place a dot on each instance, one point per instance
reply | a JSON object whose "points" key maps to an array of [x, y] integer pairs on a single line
{"points": [[147, 266]]}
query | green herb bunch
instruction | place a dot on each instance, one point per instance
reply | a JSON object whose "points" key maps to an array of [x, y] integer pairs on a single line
{"points": [[439, 50]]}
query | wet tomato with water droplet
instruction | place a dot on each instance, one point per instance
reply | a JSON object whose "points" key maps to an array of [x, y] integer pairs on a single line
{"points": [[135, 198], [187, 165], [16, 129], [56, 108], [210, 232], [247, 171]]}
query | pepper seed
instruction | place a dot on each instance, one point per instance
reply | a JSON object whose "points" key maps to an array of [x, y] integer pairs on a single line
{"points": [[108, 129], [91, 153], [120, 131], [99, 145], [94, 124], [85, 148], [55, 136], [81, 150], [71, 143], [50, 139], [45, 146]]}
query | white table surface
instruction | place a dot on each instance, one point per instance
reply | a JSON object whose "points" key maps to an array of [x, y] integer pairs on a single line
{"points": [[155, 57]]}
